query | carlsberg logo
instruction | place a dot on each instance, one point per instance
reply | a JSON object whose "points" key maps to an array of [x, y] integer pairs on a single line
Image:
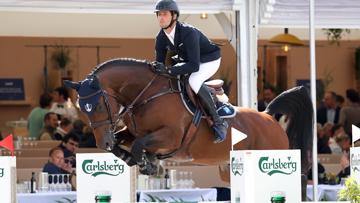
{"points": [[1, 172], [102, 168], [237, 167], [272, 166], [355, 162]]}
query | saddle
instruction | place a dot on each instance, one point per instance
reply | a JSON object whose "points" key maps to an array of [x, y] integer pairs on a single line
{"points": [[191, 102]]}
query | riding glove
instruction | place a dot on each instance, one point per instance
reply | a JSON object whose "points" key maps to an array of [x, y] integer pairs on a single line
{"points": [[160, 68]]}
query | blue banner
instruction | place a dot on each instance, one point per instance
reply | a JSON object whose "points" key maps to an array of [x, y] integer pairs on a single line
{"points": [[12, 89]]}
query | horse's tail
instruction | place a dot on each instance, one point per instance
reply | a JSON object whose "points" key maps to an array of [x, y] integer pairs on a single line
{"points": [[296, 104]]}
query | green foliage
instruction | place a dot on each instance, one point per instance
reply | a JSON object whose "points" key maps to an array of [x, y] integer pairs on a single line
{"points": [[335, 35], [325, 82], [61, 56], [351, 192]]}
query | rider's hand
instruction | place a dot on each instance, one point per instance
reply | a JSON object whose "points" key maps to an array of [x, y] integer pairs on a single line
{"points": [[160, 68]]}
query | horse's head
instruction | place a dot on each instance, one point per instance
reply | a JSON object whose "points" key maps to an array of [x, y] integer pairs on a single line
{"points": [[101, 107]]}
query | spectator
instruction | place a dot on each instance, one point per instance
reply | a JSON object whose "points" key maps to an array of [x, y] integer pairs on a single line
{"points": [[36, 116], [329, 113], [62, 105], [64, 128], [343, 141], [56, 164], [340, 101], [78, 128], [51, 123], [350, 115], [268, 95], [334, 146], [323, 141], [69, 145], [345, 167], [321, 174]]}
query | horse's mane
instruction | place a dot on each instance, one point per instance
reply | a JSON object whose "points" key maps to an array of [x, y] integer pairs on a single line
{"points": [[119, 62]]}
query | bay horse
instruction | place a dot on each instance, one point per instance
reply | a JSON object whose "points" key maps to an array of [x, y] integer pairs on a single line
{"points": [[157, 121]]}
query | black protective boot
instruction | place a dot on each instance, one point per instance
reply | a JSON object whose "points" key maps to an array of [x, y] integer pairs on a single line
{"points": [[220, 126]]}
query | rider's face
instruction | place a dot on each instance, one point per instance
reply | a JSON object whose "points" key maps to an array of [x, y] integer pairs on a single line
{"points": [[164, 18]]}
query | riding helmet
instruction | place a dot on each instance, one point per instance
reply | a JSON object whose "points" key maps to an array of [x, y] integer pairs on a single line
{"points": [[168, 5]]}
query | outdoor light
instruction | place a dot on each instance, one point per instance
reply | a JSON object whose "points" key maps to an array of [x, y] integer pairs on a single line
{"points": [[203, 16], [285, 47], [286, 40]]}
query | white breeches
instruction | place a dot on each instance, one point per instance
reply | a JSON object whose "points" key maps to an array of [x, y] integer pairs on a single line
{"points": [[206, 70]]}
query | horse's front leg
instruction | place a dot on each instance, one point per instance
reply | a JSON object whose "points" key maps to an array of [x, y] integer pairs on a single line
{"points": [[123, 139], [123, 155], [145, 148]]}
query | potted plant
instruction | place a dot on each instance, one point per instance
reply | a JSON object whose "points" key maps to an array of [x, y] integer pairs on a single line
{"points": [[334, 35], [61, 58], [351, 191]]}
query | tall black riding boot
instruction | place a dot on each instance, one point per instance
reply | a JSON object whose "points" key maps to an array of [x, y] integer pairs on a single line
{"points": [[220, 126]]}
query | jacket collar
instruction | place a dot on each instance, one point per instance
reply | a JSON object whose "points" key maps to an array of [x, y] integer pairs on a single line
{"points": [[177, 35]]}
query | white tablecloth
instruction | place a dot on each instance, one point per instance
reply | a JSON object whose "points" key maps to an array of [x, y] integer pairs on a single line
{"points": [[177, 195], [325, 192], [46, 197]]}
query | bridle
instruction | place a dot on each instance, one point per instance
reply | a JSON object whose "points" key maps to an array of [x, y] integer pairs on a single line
{"points": [[114, 120], [110, 120], [128, 109]]}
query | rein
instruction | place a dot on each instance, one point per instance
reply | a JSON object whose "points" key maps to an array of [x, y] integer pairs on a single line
{"points": [[128, 110]]}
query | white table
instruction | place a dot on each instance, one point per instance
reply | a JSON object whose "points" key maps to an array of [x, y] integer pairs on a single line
{"points": [[176, 195], [46, 197], [325, 192]]}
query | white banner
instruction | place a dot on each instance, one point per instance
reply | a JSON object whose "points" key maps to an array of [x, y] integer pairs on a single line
{"points": [[355, 163], [8, 179], [260, 175], [103, 175]]}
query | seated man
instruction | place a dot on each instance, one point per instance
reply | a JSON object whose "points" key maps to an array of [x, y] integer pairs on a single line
{"points": [[56, 164], [344, 142], [345, 167], [36, 116], [51, 123], [69, 145], [63, 105], [64, 128]]}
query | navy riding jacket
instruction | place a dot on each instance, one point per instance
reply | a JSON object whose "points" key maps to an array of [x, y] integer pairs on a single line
{"points": [[192, 46]]}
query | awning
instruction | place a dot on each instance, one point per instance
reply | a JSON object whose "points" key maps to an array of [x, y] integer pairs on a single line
{"points": [[113, 6], [295, 13]]}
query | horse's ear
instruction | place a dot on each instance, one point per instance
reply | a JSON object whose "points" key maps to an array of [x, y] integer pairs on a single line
{"points": [[71, 84]]}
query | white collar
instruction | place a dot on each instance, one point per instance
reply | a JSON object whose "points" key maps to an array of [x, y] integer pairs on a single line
{"points": [[171, 36]]}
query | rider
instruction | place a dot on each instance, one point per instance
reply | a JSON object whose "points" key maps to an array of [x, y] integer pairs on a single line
{"points": [[199, 57]]}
